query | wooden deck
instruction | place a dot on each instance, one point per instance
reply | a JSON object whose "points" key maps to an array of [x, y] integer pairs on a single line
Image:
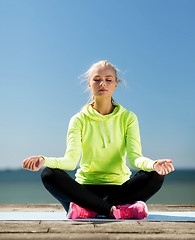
{"points": [[57, 230]]}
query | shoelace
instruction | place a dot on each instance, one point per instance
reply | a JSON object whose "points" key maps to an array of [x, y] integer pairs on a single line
{"points": [[84, 213], [126, 212]]}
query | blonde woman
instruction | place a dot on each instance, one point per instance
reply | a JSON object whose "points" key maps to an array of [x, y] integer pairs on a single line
{"points": [[104, 132]]}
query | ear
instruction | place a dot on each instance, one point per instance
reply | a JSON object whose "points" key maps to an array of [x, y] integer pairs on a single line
{"points": [[89, 84], [116, 84]]}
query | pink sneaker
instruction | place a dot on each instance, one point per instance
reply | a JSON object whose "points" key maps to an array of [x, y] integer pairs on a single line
{"points": [[138, 210], [75, 212]]}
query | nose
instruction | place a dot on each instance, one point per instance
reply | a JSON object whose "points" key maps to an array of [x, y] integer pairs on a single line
{"points": [[103, 83]]}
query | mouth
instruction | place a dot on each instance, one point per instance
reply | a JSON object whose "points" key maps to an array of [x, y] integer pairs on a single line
{"points": [[103, 90]]}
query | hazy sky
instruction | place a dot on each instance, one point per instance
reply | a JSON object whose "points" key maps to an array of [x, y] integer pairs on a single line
{"points": [[45, 45]]}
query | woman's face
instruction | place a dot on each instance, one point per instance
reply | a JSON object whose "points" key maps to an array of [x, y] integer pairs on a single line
{"points": [[102, 82]]}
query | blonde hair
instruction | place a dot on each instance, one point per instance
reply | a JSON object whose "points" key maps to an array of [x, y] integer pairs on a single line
{"points": [[104, 63]]}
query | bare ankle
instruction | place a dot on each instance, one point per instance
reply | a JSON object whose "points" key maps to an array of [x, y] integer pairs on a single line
{"points": [[111, 210]]}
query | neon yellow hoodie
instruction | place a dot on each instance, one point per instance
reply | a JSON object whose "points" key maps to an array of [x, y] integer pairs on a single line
{"points": [[104, 141]]}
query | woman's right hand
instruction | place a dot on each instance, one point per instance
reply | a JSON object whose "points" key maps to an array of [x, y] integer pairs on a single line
{"points": [[33, 163]]}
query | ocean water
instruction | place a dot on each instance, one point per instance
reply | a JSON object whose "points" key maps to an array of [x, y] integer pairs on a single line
{"points": [[23, 186]]}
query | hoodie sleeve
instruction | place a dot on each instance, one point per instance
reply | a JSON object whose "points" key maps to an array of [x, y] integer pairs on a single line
{"points": [[134, 151], [73, 150]]}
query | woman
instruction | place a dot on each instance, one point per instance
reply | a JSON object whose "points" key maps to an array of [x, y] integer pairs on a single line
{"points": [[105, 133]]}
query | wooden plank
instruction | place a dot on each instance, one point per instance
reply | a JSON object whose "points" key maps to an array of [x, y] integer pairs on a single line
{"points": [[96, 227], [31, 208], [97, 236], [56, 230]]}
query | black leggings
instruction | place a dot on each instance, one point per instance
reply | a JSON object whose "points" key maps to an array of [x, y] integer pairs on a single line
{"points": [[100, 198]]}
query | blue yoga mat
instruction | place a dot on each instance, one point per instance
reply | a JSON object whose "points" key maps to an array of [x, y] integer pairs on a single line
{"points": [[61, 216]]}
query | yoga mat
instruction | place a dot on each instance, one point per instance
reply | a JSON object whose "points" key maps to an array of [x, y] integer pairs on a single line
{"points": [[61, 216]]}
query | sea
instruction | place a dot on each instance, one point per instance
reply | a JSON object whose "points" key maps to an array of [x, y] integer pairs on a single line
{"points": [[23, 186]]}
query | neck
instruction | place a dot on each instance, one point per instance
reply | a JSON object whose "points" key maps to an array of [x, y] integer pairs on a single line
{"points": [[103, 106]]}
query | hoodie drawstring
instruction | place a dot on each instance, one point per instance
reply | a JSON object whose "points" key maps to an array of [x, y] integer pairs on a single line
{"points": [[111, 129], [105, 144], [104, 134]]}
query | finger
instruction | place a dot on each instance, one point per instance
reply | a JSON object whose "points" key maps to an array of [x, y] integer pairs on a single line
{"points": [[172, 168], [26, 159], [164, 166], [28, 165], [168, 167], [168, 160], [164, 169], [160, 171], [25, 163], [31, 165], [163, 172], [24, 166]]}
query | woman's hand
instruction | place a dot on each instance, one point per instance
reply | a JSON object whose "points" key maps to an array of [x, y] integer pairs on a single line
{"points": [[33, 163], [163, 166]]}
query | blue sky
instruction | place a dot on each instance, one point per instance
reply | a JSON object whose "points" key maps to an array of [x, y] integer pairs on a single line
{"points": [[46, 45]]}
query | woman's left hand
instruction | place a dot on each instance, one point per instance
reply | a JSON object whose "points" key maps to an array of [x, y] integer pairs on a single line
{"points": [[163, 166]]}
